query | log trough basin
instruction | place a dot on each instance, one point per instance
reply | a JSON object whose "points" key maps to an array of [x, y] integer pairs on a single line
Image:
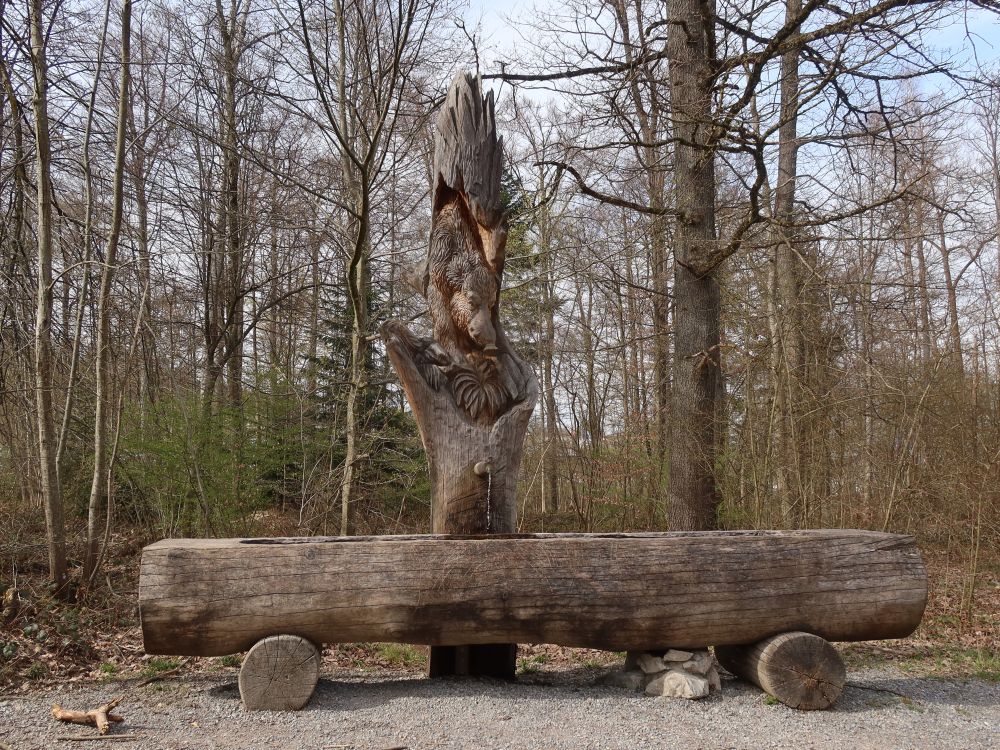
{"points": [[211, 597]]}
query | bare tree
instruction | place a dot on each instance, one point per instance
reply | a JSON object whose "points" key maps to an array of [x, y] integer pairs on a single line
{"points": [[361, 57], [101, 482], [51, 494]]}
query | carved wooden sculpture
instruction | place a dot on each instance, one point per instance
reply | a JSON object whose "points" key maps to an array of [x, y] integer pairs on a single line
{"points": [[471, 394]]}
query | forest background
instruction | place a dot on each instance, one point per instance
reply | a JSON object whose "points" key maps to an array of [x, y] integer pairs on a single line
{"points": [[210, 207]]}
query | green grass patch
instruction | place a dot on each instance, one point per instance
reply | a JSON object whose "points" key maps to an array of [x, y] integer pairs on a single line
{"points": [[158, 666], [986, 664], [531, 664], [955, 661], [527, 666], [402, 655]]}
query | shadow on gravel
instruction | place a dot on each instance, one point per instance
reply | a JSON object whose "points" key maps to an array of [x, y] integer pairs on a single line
{"points": [[225, 690], [861, 694], [571, 686], [864, 694]]}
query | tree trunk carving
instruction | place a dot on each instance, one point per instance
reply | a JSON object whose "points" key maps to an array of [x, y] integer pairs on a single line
{"points": [[471, 394]]}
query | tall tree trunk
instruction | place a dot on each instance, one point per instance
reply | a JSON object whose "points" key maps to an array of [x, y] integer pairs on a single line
{"points": [[927, 337], [358, 189], [550, 460], [357, 290], [315, 298], [649, 111], [88, 243], [15, 401], [231, 30], [787, 292], [692, 497], [100, 484], [954, 331], [51, 495], [148, 373]]}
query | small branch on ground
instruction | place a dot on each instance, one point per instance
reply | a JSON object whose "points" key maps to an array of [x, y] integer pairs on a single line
{"points": [[160, 676], [97, 717], [109, 738], [876, 689]]}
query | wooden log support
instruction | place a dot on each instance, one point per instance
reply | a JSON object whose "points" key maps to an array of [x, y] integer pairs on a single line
{"points": [[279, 674], [209, 597], [800, 669]]}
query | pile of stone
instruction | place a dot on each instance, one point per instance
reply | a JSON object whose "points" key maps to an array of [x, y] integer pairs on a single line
{"points": [[672, 673]]}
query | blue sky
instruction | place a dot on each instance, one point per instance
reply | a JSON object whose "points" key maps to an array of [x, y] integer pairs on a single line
{"points": [[975, 35]]}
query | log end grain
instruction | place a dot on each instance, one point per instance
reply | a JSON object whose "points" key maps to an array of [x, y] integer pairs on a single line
{"points": [[800, 669], [279, 674]]}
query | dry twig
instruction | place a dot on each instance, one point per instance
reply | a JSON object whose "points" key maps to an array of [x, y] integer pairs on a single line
{"points": [[160, 676], [109, 738], [97, 717]]}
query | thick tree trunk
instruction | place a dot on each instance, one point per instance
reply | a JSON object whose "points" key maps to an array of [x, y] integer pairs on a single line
{"points": [[697, 383], [610, 591], [51, 494]]}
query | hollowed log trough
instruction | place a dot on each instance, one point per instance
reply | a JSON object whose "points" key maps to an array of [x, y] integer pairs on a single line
{"points": [[211, 597]]}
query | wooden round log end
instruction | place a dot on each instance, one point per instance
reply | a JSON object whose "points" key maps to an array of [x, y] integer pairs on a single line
{"points": [[801, 670], [279, 673]]}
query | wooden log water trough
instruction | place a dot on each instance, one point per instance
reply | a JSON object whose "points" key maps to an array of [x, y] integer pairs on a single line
{"points": [[645, 591]]}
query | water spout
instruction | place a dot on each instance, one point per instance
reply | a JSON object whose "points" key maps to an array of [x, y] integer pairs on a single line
{"points": [[486, 468]]}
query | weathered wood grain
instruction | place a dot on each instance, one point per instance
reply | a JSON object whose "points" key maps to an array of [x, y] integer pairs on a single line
{"points": [[471, 394], [801, 670], [279, 673], [211, 597]]}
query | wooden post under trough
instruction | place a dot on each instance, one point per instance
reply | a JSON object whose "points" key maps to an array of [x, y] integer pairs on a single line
{"points": [[279, 673], [801, 670], [471, 395], [210, 597]]}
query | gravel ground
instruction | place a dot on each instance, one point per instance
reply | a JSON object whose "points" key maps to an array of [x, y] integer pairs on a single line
{"points": [[880, 709]]}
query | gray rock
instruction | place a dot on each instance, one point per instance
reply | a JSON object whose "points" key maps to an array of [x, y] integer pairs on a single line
{"points": [[700, 663], [713, 680], [677, 684], [651, 664], [629, 679], [675, 655]]}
